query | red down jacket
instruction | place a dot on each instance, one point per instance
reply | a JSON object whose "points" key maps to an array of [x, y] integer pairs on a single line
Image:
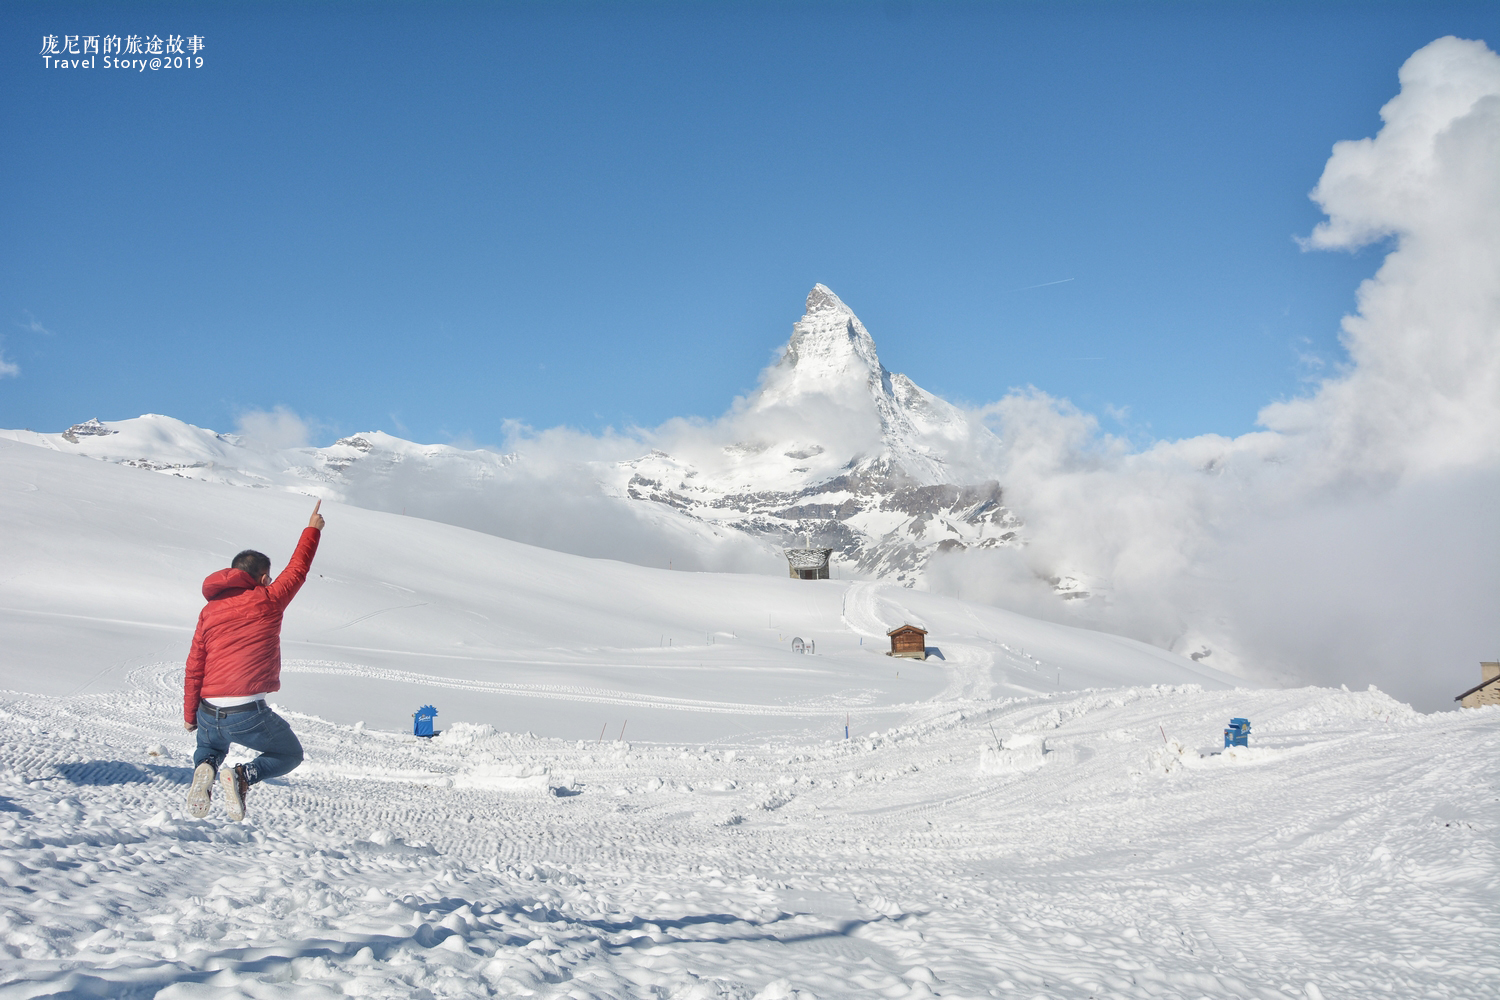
{"points": [[237, 647]]}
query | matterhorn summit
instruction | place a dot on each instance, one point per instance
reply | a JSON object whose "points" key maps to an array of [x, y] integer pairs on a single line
{"points": [[829, 347], [831, 357], [838, 451]]}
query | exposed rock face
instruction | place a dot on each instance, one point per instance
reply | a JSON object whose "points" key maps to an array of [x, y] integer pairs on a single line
{"points": [[89, 428]]}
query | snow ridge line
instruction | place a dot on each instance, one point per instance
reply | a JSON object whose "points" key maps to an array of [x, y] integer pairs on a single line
{"points": [[590, 695], [97, 618]]}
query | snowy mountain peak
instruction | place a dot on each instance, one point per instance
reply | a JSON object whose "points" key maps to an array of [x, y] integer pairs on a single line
{"points": [[836, 448], [831, 355], [822, 299], [830, 352]]}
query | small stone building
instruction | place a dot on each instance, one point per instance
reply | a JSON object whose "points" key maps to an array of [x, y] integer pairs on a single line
{"points": [[1487, 692], [909, 641], [808, 564]]}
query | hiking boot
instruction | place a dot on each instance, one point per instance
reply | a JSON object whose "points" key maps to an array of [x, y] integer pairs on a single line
{"points": [[236, 785], [201, 791]]}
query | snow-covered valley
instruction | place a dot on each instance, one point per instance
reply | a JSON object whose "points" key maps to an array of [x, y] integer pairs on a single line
{"points": [[641, 791]]}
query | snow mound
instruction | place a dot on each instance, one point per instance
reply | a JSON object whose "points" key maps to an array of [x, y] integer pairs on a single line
{"points": [[1326, 707], [464, 734], [1015, 753], [523, 778]]}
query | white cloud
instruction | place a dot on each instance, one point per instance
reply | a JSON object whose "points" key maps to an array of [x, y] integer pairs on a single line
{"points": [[1353, 539], [1423, 393], [9, 369], [272, 430], [33, 325]]}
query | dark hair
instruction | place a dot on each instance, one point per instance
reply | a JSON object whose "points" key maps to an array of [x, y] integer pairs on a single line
{"points": [[252, 562]]}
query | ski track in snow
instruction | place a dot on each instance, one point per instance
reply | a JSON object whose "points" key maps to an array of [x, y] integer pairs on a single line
{"points": [[967, 666], [1349, 853], [861, 613], [598, 696]]}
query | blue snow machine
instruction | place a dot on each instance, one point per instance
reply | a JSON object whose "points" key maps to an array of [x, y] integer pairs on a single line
{"points": [[421, 722], [1238, 733]]}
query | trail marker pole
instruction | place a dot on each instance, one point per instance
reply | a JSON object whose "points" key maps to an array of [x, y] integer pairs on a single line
{"points": [[846, 726], [1163, 734], [622, 729], [997, 738], [601, 733]]}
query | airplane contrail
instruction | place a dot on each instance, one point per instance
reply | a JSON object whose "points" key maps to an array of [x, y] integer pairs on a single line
{"points": [[1027, 288]]}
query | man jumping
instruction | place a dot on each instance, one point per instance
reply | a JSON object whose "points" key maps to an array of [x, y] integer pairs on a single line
{"points": [[234, 663]]}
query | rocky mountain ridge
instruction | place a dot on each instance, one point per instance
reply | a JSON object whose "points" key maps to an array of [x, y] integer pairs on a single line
{"points": [[832, 448]]}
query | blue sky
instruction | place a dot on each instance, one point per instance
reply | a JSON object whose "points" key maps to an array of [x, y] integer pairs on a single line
{"points": [[432, 218]]}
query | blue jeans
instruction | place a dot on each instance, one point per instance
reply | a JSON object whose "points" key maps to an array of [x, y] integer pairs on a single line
{"points": [[259, 729]]}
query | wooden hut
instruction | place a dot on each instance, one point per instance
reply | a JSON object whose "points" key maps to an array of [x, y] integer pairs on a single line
{"points": [[908, 641], [1488, 690]]}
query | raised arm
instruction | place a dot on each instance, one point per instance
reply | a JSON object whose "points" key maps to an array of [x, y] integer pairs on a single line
{"points": [[290, 580]]}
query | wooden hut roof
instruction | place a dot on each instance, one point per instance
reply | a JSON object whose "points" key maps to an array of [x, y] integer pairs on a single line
{"points": [[903, 628], [808, 558], [1476, 687]]}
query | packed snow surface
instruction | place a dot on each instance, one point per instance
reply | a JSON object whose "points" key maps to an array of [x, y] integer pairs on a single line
{"points": [[1035, 811]]}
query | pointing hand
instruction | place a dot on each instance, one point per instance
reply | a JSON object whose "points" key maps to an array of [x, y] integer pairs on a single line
{"points": [[316, 521]]}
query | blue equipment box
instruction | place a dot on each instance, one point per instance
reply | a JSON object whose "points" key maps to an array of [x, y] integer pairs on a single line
{"points": [[421, 724]]}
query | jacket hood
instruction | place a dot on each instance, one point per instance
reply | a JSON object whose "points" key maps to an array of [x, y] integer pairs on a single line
{"points": [[226, 583]]}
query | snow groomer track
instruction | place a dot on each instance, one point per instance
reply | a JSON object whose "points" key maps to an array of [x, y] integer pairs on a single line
{"points": [[1348, 853]]}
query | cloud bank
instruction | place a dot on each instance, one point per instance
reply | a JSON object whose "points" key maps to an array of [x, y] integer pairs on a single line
{"points": [[1354, 539], [273, 430]]}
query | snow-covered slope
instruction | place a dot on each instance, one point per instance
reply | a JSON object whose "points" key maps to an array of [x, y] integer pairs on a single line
{"points": [[832, 449], [990, 830], [103, 565]]}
